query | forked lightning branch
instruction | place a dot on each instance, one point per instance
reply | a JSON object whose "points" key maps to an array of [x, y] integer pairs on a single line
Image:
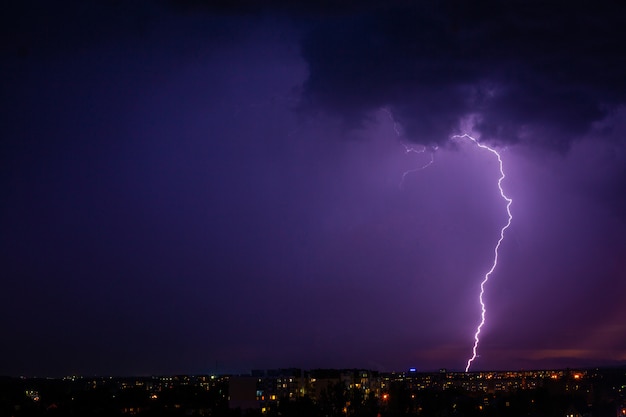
{"points": [[487, 276]]}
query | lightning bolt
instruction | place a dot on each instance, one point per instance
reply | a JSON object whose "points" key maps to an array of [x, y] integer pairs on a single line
{"points": [[422, 149], [410, 149], [483, 309]]}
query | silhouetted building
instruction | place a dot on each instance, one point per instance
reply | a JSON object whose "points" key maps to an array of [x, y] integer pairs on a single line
{"points": [[243, 392]]}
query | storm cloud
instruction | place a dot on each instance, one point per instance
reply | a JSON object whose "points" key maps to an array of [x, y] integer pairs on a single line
{"points": [[517, 71], [189, 183]]}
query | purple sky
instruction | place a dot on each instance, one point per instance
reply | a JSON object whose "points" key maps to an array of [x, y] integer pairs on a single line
{"points": [[189, 186]]}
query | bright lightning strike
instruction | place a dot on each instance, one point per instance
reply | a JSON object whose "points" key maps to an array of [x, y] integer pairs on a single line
{"points": [[411, 149], [508, 200]]}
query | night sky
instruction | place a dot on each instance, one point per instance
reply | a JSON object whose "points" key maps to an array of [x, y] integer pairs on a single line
{"points": [[195, 188]]}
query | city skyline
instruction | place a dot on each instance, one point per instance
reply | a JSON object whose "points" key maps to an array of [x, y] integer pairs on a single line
{"points": [[329, 392], [259, 186]]}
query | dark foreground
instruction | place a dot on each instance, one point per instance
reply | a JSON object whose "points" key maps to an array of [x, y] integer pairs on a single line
{"points": [[293, 392]]}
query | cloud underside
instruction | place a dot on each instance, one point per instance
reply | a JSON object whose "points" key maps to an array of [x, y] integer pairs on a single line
{"points": [[519, 72]]}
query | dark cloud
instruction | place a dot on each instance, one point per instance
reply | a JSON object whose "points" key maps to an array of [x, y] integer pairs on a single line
{"points": [[35, 28], [164, 208], [30, 27], [524, 70]]}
